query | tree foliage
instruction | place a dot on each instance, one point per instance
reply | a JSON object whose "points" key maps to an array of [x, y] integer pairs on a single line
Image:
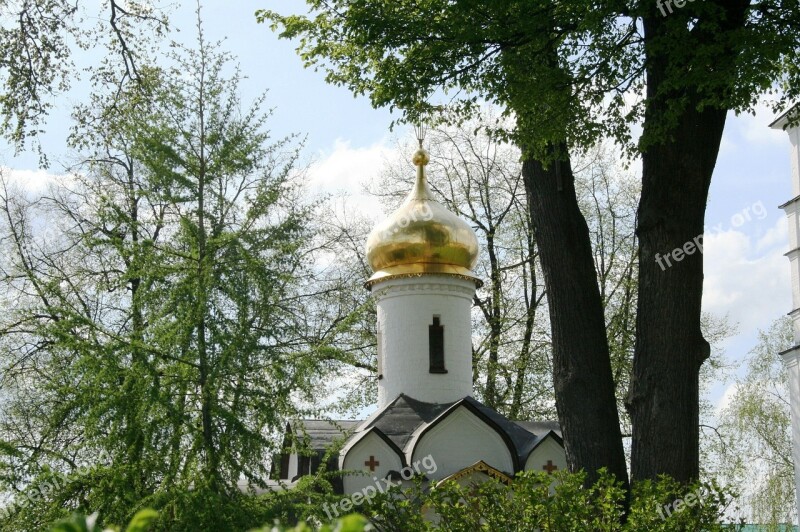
{"points": [[159, 307], [37, 41], [571, 74], [532, 501], [405, 54], [753, 444]]}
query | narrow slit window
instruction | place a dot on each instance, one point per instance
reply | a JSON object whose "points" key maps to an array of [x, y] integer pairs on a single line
{"points": [[380, 353], [436, 346]]}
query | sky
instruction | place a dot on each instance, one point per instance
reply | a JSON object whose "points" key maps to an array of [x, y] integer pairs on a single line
{"points": [[348, 142]]}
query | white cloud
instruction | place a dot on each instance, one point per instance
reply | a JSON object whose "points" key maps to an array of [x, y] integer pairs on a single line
{"points": [[347, 168], [776, 236], [344, 171], [747, 278], [756, 130], [726, 399], [34, 181]]}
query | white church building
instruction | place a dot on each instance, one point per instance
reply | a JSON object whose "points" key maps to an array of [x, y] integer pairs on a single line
{"points": [[422, 257], [791, 357]]}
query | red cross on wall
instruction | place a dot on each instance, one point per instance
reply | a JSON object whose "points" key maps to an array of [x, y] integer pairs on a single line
{"points": [[549, 467], [372, 463]]}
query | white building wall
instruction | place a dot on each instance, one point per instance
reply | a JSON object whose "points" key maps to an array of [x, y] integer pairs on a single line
{"points": [[791, 362], [406, 307], [791, 358], [459, 441], [550, 450], [794, 138], [370, 445]]}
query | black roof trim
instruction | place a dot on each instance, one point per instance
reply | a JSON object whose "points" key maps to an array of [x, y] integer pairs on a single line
{"points": [[392, 445], [794, 199]]}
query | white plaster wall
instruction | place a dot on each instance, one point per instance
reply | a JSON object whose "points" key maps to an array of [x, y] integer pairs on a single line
{"points": [[406, 307], [794, 270], [369, 445], [459, 441], [791, 359], [794, 138], [549, 449], [793, 221], [791, 362]]}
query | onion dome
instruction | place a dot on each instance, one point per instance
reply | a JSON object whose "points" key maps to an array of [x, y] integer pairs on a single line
{"points": [[421, 237]]}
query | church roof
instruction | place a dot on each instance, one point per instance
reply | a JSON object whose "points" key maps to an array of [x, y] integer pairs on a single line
{"points": [[321, 433], [401, 424], [404, 417], [421, 237], [782, 121]]}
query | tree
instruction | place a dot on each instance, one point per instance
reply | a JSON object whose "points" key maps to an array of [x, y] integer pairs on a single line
{"points": [[37, 39], [159, 332], [753, 443], [564, 70]]}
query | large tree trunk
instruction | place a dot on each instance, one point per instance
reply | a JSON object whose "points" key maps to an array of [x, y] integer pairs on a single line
{"points": [[670, 348], [584, 388]]}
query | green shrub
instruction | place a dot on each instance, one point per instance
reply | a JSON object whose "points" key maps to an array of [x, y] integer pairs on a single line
{"points": [[80, 523], [558, 503], [534, 501]]}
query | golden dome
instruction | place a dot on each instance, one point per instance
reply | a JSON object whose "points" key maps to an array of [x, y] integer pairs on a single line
{"points": [[421, 237]]}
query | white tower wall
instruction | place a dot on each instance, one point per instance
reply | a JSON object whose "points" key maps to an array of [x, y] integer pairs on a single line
{"points": [[406, 307], [791, 357]]}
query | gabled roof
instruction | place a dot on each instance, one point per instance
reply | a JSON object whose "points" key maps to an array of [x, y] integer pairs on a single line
{"points": [[782, 121], [405, 418], [402, 417], [321, 433], [492, 419]]}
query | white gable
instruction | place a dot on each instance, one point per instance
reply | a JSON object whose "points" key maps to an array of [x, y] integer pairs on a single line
{"points": [[547, 451], [371, 448], [459, 441]]}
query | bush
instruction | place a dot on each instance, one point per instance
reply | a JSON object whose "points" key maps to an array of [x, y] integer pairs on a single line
{"points": [[537, 501], [534, 501]]}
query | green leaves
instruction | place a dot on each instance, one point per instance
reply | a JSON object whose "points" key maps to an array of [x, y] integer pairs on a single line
{"points": [[561, 502], [348, 523], [141, 522], [37, 42], [573, 70], [169, 328]]}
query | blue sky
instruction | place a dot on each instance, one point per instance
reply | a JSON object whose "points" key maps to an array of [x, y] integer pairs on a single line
{"points": [[747, 276]]}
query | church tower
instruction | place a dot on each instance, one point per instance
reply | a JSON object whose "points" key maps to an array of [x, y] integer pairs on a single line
{"points": [[791, 357], [427, 424], [423, 284]]}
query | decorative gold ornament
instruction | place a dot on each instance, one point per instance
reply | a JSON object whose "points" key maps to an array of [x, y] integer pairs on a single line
{"points": [[422, 237]]}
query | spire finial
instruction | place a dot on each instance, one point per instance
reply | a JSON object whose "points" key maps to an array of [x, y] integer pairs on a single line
{"points": [[420, 129], [421, 157]]}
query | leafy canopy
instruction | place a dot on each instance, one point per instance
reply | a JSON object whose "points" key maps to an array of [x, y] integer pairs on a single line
{"points": [[571, 70]]}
